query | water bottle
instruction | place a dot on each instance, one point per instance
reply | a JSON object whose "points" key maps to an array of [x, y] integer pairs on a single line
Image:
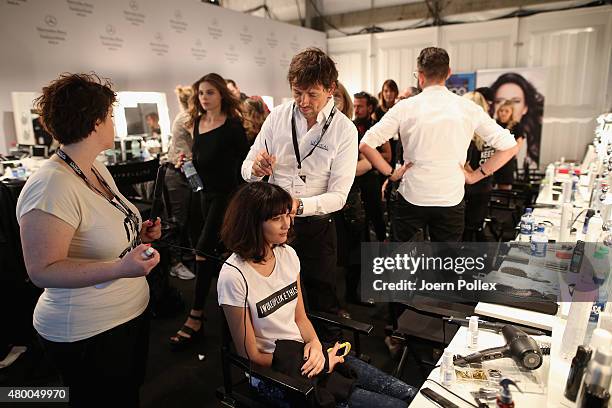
{"points": [[539, 242], [526, 225], [447, 368], [192, 176], [575, 184]]}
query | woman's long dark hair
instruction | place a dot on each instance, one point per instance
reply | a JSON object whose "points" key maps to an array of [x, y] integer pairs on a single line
{"points": [[532, 120], [251, 205], [389, 83], [229, 104]]}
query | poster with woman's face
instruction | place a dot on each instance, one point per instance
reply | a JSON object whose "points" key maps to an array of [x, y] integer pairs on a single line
{"points": [[521, 91]]}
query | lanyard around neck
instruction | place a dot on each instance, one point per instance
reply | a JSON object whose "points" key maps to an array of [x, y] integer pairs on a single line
{"points": [[296, 147], [131, 218]]}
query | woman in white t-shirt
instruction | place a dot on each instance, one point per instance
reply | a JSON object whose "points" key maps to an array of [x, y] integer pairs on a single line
{"points": [[255, 229], [80, 241]]}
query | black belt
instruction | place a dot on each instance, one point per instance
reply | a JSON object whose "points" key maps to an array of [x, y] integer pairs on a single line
{"points": [[313, 218]]}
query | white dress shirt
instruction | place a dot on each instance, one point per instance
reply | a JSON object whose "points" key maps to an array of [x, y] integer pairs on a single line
{"points": [[329, 171], [435, 129]]}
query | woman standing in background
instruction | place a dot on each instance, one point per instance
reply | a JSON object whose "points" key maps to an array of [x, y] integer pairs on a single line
{"points": [[387, 96], [179, 191], [477, 195], [504, 177], [219, 147]]}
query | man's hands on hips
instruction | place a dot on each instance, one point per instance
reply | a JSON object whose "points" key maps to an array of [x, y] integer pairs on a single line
{"points": [[263, 164]]}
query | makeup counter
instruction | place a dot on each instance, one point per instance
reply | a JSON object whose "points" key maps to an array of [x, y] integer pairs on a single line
{"points": [[574, 208]]}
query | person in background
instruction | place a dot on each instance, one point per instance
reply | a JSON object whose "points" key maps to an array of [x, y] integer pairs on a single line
{"points": [[152, 119], [318, 172], [219, 146], [477, 195], [407, 93], [81, 243], [254, 113], [387, 97], [231, 85], [256, 226], [436, 128], [179, 190], [489, 96], [342, 100], [370, 182], [504, 177]]}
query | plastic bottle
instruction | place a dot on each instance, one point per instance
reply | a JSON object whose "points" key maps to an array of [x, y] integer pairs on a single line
{"points": [[526, 225], [472, 333], [574, 378], [135, 149], [575, 184], [539, 242], [447, 369], [590, 212], [192, 176], [594, 229], [594, 391], [504, 398]]}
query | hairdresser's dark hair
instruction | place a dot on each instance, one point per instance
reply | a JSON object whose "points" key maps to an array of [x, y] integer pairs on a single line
{"points": [[311, 67], [532, 120], [229, 104], [251, 205], [72, 105], [434, 63]]}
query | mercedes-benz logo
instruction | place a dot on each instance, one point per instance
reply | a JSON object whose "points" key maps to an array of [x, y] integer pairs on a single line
{"points": [[134, 5], [178, 15], [231, 48], [50, 20], [215, 22], [110, 29], [198, 43], [158, 36], [245, 28]]}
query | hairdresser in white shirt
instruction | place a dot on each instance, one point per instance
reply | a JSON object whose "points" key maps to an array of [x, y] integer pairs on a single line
{"points": [[309, 148], [436, 127]]}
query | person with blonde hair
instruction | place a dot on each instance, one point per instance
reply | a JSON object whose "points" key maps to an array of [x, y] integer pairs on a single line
{"points": [[477, 195], [343, 101], [254, 113], [179, 191], [504, 177]]}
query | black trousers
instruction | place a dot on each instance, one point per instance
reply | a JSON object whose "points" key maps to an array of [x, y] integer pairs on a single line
{"points": [[316, 246], [476, 209], [445, 224], [178, 206], [213, 210], [370, 186], [107, 369]]}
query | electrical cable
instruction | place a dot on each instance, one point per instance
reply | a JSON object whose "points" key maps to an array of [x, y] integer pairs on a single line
{"points": [[446, 389], [325, 20], [246, 310]]}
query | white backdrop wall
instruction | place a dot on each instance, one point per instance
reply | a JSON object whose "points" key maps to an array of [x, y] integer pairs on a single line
{"points": [[142, 45], [574, 46]]}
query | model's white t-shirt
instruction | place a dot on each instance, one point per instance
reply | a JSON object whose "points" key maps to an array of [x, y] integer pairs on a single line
{"points": [[68, 315], [272, 300]]}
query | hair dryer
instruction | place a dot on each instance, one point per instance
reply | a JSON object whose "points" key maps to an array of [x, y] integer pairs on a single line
{"points": [[519, 346]]}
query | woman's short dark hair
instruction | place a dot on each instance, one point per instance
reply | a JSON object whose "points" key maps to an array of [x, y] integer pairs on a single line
{"points": [[310, 67], [434, 63], [71, 105], [251, 205], [230, 106]]}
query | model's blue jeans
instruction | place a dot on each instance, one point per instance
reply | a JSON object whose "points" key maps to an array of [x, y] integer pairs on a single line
{"points": [[374, 388]]}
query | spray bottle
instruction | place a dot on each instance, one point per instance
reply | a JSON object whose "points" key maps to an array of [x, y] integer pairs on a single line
{"points": [[504, 398]]}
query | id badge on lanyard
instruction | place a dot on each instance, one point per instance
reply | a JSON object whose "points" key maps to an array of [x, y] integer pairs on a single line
{"points": [[299, 184]]}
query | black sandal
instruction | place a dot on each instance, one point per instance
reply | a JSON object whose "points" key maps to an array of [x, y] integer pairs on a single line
{"points": [[184, 341]]}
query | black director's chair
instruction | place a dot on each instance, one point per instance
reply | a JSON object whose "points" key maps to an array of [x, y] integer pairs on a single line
{"points": [[238, 393]]}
